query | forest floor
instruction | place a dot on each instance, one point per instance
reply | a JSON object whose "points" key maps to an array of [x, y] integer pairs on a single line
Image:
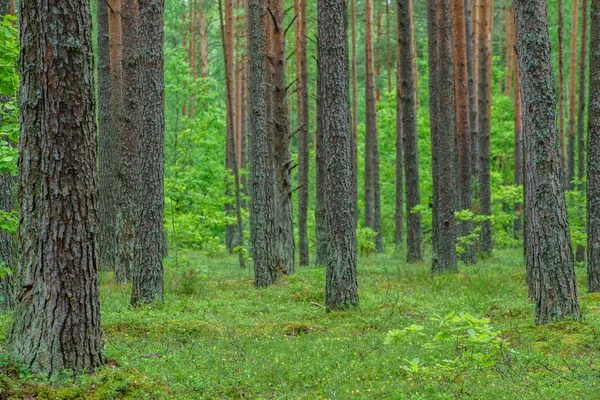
{"points": [[216, 337]]}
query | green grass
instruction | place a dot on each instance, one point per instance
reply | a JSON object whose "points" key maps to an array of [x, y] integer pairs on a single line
{"points": [[215, 336]]}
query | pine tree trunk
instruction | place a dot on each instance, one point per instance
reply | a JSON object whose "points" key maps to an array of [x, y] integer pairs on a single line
{"points": [[378, 50], [388, 46], [580, 251], [484, 98], [341, 284], [561, 91], [354, 110], [461, 88], [281, 140], [474, 89], [303, 123], [549, 251], [572, 97], [510, 51], [399, 217], [593, 154], [518, 145], [406, 90], [443, 140], [231, 153], [56, 323], [126, 192], [262, 176], [203, 43]]}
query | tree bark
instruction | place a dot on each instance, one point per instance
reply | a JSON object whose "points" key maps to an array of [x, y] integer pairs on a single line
{"points": [[593, 154], [518, 144], [561, 91], [443, 138], [572, 97], [231, 128], [461, 89], [474, 89], [303, 123], [549, 251], [341, 284], [203, 42], [56, 323], [406, 91], [354, 110], [388, 46], [484, 98], [262, 176]]}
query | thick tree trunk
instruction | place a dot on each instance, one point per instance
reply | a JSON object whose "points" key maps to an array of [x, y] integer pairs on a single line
{"points": [[593, 155], [474, 89], [461, 89], [262, 176], [561, 90], [281, 138], [303, 123], [443, 139], [341, 284], [354, 110], [406, 91], [580, 252], [572, 97], [147, 277], [56, 323], [549, 251], [128, 163], [484, 98]]}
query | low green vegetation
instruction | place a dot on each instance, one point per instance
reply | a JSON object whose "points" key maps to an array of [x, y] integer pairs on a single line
{"points": [[466, 335]]}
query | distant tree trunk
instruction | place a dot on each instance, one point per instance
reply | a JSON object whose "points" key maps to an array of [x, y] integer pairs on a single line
{"points": [[230, 155], [354, 110], [388, 46], [239, 228], [372, 193], [128, 164], [580, 252], [408, 112], [56, 323], [341, 285], [572, 97], [518, 145], [561, 92], [262, 175], [510, 51], [193, 52], [203, 43], [443, 137], [549, 251], [303, 123], [281, 140], [593, 154], [485, 200], [461, 89]]}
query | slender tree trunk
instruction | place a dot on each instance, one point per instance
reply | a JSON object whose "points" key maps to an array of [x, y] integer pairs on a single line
{"points": [[341, 284], [510, 51], [230, 156], [378, 50], [518, 145], [128, 163], [474, 95], [443, 137], [193, 52], [354, 110], [239, 228], [56, 323], [484, 98], [262, 176], [408, 112], [572, 97], [549, 251], [147, 278], [561, 91], [203, 43], [388, 39], [461, 89], [303, 123], [593, 154], [399, 220], [281, 139]]}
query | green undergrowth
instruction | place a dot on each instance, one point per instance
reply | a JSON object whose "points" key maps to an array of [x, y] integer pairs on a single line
{"points": [[466, 335]]}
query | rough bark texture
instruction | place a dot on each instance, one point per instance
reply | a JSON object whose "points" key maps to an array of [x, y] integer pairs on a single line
{"points": [[399, 214], [471, 71], [406, 88], [281, 139], [518, 153], [549, 251], [303, 123], [443, 139], [262, 198], [593, 155], [127, 169], [354, 109], [56, 323], [580, 252], [572, 97], [474, 98], [561, 90], [147, 276], [341, 284], [461, 89], [484, 99], [320, 202]]}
